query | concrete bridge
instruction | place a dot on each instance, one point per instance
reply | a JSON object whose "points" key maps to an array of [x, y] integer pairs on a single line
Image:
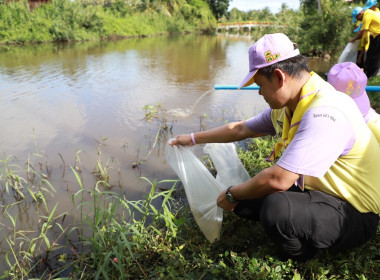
{"points": [[243, 26]]}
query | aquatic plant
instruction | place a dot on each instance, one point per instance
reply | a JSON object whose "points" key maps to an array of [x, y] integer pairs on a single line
{"points": [[156, 237]]}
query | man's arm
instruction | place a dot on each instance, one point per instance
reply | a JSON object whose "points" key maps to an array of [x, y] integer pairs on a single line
{"points": [[231, 132], [270, 180], [360, 34]]}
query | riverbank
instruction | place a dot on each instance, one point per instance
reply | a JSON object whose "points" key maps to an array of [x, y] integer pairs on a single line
{"points": [[157, 237], [67, 21]]}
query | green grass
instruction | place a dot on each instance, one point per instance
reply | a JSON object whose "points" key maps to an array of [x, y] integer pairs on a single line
{"points": [[157, 237], [65, 20]]}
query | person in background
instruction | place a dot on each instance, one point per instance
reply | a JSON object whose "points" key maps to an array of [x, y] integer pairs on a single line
{"points": [[371, 4], [324, 190], [370, 28], [348, 78], [364, 41], [362, 47]]}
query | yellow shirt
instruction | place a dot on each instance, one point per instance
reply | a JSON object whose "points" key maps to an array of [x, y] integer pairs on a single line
{"points": [[355, 176], [371, 22], [364, 42], [374, 124]]}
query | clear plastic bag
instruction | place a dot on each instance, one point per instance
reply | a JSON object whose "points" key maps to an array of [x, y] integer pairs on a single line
{"points": [[202, 189], [230, 170], [349, 53]]}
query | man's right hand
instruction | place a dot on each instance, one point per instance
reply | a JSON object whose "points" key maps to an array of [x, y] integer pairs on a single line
{"points": [[182, 139]]}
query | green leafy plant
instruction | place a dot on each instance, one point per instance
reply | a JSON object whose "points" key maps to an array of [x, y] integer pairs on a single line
{"points": [[157, 237], [255, 152]]}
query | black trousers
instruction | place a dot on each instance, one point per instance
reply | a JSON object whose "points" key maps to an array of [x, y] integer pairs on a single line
{"points": [[300, 223], [361, 64], [372, 61]]}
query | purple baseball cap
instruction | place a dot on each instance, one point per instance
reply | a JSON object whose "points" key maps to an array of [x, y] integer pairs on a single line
{"points": [[347, 77], [269, 49]]}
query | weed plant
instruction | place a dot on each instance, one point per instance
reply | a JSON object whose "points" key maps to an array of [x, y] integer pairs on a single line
{"points": [[65, 20], [158, 238], [254, 153], [26, 192]]}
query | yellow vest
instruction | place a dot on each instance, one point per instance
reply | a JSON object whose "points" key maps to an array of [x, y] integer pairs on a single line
{"points": [[374, 125], [371, 22], [354, 177]]}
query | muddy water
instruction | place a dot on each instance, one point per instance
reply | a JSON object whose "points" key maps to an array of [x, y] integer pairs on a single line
{"points": [[72, 105]]}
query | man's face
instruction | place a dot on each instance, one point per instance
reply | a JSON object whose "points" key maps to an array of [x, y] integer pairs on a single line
{"points": [[359, 17], [272, 90]]}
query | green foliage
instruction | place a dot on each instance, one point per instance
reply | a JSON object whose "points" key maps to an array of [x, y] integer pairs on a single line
{"points": [[66, 20], [201, 15], [26, 192], [129, 238], [286, 21], [254, 155], [218, 7], [317, 32], [120, 8], [290, 24], [327, 31], [252, 15], [158, 238]]}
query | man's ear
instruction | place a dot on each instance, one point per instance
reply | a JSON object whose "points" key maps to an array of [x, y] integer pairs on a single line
{"points": [[279, 75]]}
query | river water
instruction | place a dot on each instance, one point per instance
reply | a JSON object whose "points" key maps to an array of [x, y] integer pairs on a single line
{"points": [[73, 104]]}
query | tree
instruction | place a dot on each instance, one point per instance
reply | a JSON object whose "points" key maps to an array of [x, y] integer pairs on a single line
{"points": [[284, 7], [218, 7], [325, 26]]}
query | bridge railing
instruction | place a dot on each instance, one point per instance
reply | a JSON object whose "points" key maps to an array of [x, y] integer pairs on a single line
{"points": [[225, 24]]}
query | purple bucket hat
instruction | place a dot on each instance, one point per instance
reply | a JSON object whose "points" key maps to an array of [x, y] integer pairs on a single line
{"points": [[347, 77], [269, 49]]}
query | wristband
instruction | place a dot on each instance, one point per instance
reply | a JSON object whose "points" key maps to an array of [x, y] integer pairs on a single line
{"points": [[192, 138], [229, 195]]}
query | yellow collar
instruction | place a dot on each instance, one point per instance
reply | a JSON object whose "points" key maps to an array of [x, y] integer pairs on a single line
{"points": [[291, 122]]}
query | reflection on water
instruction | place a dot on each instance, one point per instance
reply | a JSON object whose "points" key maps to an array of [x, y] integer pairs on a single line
{"points": [[65, 98], [62, 102]]}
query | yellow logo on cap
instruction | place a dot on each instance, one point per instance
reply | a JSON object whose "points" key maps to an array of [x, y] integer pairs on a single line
{"points": [[350, 87], [357, 91], [269, 57]]}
